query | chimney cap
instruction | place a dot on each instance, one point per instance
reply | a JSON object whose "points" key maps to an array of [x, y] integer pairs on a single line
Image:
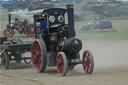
{"points": [[9, 13], [70, 6]]}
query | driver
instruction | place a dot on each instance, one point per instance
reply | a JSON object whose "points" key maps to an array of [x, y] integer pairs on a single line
{"points": [[43, 24], [16, 20], [43, 29]]}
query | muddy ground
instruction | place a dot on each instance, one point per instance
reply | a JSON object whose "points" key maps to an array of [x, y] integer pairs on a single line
{"points": [[111, 68]]}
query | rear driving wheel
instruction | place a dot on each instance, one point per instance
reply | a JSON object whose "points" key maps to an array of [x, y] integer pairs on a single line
{"points": [[88, 62], [8, 32], [29, 30], [20, 27], [5, 60], [39, 55], [61, 63]]}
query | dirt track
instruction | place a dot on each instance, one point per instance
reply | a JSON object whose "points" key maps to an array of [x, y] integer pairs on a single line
{"points": [[111, 68]]}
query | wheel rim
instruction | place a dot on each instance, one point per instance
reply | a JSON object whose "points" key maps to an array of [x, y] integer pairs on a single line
{"points": [[60, 64], [8, 32], [87, 62], [30, 30], [36, 55]]}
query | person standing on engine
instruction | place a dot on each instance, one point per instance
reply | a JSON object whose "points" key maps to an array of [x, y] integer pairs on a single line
{"points": [[43, 24], [16, 20], [43, 29]]}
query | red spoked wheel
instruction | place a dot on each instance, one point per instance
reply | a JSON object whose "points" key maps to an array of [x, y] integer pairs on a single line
{"points": [[61, 63], [39, 55], [88, 62], [29, 30], [8, 32]]}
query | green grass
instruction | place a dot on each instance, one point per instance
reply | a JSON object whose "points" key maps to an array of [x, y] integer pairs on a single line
{"points": [[92, 16], [22, 36], [120, 25], [5, 17]]}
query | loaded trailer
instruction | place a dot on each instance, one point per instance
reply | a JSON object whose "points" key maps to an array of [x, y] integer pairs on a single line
{"points": [[12, 50]]}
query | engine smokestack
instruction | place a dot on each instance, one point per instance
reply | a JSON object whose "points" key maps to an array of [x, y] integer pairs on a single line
{"points": [[9, 18], [70, 11]]}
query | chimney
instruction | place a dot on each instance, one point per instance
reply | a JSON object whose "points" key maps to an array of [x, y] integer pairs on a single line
{"points": [[70, 11], [9, 18]]}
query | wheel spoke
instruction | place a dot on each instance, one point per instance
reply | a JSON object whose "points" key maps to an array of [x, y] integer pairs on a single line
{"points": [[57, 61], [88, 67], [39, 60], [38, 48], [62, 67], [38, 66], [33, 59]]}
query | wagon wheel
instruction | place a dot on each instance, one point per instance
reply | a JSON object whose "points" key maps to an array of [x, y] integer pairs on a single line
{"points": [[61, 63], [29, 30], [88, 62], [8, 32], [39, 55], [5, 60], [18, 57], [20, 27]]}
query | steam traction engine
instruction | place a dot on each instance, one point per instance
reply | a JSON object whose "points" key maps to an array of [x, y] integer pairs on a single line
{"points": [[59, 48], [18, 25], [21, 27]]}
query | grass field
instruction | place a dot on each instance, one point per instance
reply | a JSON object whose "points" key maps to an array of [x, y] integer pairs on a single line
{"points": [[120, 25], [5, 17]]}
